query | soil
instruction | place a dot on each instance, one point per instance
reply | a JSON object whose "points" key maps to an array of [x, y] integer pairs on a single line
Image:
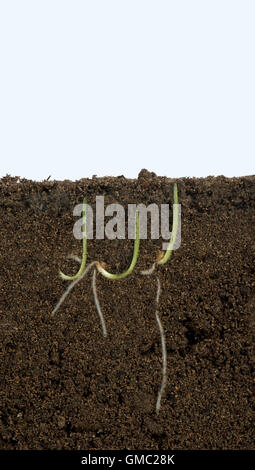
{"points": [[63, 385]]}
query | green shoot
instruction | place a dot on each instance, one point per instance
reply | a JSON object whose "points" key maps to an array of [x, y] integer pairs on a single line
{"points": [[97, 304], [164, 258], [84, 250], [133, 262], [164, 351]]}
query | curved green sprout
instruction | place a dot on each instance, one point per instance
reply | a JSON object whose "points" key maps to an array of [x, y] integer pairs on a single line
{"points": [[133, 262], [162, 259], [84, 249], [165, 258]]}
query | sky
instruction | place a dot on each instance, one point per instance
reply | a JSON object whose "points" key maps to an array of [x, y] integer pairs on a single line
{"points": [[108, 87]]}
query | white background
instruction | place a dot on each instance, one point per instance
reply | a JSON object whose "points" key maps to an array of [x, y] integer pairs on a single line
{"points": [[109, 87]]}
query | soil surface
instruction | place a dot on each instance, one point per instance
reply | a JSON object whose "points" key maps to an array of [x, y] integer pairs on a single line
{"points": [[63, 385]]}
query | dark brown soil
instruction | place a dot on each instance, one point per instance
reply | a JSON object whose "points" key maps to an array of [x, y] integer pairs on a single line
{"points": [[64, 386]]}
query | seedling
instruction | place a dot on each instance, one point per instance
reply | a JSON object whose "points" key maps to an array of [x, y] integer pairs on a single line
{"points": [[100, 266], [161, 259]]}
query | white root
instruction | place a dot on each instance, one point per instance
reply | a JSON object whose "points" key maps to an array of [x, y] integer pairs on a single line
{"points": [[70, 287], [97, 304], [164, 353], [158, 291], [73, 283]]}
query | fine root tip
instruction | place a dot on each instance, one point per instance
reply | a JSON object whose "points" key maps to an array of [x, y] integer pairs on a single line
{"points": [[52, 314]]}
